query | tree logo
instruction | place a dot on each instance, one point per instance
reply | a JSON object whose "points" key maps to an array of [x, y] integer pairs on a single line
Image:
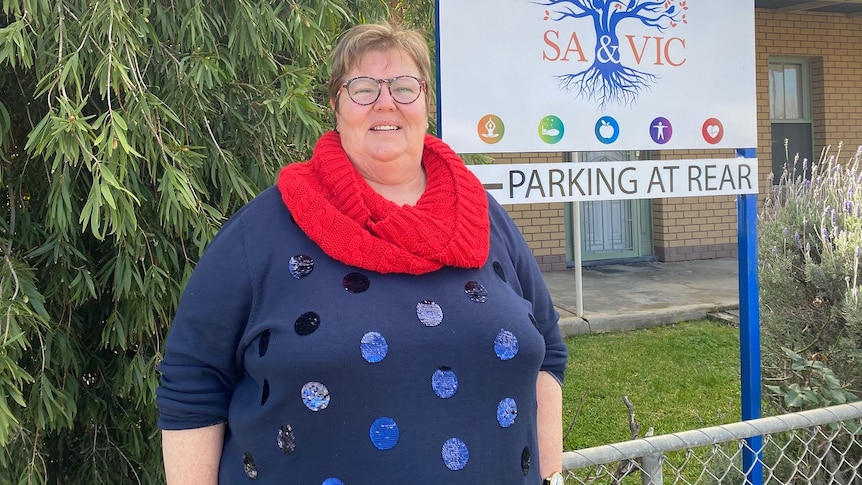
{"points": [[608, 80]]}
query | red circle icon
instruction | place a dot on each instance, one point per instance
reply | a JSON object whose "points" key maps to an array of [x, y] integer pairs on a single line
{"points": [[712, 131]]}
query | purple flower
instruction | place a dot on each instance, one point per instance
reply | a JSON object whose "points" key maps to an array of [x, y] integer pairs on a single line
{"points": [[798, 239]]}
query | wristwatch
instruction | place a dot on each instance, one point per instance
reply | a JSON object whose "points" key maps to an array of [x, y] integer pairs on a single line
{"points": [[555, 479]]}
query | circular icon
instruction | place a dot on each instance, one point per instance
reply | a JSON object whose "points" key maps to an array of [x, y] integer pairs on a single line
{"points": [[607, 130], [660, 130], [491, 129], [551, 129], [712, 130]]}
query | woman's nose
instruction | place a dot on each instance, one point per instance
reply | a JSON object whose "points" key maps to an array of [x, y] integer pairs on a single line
{"points": [[385, 99]]}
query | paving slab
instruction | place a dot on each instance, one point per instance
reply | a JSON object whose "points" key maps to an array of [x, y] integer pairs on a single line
{"points": [[620, 297]]}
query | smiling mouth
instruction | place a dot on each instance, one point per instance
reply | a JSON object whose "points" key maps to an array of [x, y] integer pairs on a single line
{"points": [[385, 128]]}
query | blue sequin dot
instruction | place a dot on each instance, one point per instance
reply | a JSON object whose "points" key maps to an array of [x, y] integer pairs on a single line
{"points": [[506, 345], [507, 411], [476, 291], [315, 396], [429, 313], [444, 382], [332, 481], [249, 466], [455, 454], [300, 265], [384, 433], [373, 347], [286, 440]]}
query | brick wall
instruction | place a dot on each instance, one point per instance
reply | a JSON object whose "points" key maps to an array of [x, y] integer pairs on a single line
{"points": [[543, 225], [833, 45]]}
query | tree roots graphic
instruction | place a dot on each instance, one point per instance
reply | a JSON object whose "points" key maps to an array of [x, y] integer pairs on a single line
{"points": [[608, 83]]}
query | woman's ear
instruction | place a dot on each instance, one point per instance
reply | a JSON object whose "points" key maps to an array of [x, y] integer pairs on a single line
{"points": [[334, 106]]}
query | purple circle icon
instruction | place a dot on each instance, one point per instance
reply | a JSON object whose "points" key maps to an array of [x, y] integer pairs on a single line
{"points": [[660, 130]]}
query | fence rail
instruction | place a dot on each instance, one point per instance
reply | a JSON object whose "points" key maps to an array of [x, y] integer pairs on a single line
{"points": [[822, 446]]}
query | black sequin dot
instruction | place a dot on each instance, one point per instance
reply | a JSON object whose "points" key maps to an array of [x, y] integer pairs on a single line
{"points": [[307, 323], [535, 322], [264, 395], [286, 439], [300, 265], [498, 268], [263, 343], [249, 466], [476, 292], [525, 460], [356, 282]]}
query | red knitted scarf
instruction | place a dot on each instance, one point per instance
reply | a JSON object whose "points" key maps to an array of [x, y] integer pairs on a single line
{"points": [[353, 224]]}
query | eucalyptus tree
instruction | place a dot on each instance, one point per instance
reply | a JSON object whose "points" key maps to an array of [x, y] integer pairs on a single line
{"points": [[129, 131]]}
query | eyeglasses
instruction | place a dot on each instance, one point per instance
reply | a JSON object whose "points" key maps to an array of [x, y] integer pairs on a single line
{"points": [[365, 90]]}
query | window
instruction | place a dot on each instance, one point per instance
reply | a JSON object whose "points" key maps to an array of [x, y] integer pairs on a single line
{"points": [[790, 115]]}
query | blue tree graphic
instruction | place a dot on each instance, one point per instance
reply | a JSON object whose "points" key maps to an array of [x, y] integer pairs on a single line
{"points": [[607, 80]]}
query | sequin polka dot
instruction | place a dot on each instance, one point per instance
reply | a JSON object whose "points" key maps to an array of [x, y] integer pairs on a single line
{"points": [[300, 266], [263, 343], [264, 394], [444, 382], [315, 396], [507, 411], [307, 323], [249, 466], [286, 440], [332, 481], [525, 460], [455, 454], [356, 283], [429, 313], [498, 268], [476, 292], [373, 347], [384, 433], [535, 322], [506, 345]]}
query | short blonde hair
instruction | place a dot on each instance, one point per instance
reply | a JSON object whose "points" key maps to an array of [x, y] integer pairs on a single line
{"points": [[383, 36]]}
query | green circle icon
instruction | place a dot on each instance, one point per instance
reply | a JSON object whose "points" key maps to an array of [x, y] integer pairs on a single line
{"points": [[551, 129]]}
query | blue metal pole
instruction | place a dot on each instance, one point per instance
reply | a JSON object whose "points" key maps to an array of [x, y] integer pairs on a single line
{"points": [[437, 66], [749, 328]]}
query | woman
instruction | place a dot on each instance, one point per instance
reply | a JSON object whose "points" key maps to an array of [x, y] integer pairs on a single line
{"points": [[374, 318]]}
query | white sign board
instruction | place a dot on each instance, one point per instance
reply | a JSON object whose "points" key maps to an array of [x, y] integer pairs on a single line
{"points": [[593, 181], [582, 75]]}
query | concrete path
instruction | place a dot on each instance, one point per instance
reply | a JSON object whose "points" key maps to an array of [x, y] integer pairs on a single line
{"points": [[628, 296]]}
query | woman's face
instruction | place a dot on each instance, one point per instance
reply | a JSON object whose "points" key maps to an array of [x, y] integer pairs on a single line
{"points": [[383, 132]]}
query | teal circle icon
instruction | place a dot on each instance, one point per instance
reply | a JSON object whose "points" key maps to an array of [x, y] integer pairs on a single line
{"points": [[551, 129], [607, 130]]}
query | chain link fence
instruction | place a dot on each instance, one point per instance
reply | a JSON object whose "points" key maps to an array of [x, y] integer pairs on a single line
{"points": [[819, 446]]}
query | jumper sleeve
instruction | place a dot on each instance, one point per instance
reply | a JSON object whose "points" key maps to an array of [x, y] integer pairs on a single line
{"points": [[531, 285], [201, 367]]}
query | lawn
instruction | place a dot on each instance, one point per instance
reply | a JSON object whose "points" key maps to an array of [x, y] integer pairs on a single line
{"points": [[678, 377]]}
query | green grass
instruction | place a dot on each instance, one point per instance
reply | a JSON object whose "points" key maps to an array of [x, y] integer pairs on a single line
{"points": [[678, 377]]}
